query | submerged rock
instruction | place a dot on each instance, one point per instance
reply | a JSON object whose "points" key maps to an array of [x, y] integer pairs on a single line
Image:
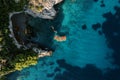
{"points": [[59, 38], [84, 27]]}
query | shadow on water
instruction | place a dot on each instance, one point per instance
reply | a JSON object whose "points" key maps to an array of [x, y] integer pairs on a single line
{"points": [[42, 29], [19, 26]]}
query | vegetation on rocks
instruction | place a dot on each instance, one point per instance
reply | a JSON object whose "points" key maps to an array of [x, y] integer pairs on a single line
{"points": [[10, 56], [36, 8]]}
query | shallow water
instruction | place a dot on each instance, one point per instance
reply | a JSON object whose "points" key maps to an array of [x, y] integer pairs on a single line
{"points": [[85, 54]]}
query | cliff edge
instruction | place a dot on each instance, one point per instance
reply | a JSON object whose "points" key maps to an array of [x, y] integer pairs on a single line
{"points": [[42, 8]]}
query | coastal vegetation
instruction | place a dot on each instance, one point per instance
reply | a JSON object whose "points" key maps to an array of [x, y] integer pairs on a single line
{"points": [[12, 58], [37, 8], [25, 61]]}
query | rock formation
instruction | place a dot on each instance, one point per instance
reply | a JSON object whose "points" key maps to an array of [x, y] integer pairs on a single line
{"points": [[42, 8], [37, 8]]}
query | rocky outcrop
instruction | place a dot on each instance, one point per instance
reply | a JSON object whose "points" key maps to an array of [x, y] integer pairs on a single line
{"points": [[42, 8], [42, 53], [58, 1]]}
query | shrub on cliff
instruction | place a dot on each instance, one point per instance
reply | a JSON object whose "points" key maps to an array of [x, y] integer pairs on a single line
{"points": [[23, 63]]}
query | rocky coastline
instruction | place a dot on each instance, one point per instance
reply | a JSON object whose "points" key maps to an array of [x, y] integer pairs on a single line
{"points": [[11, 29], [47, 12]]}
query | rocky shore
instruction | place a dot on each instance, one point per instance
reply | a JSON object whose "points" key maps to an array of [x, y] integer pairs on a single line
{"points": [[40, 8], [48, 12], [18, 25], [11, 29]]}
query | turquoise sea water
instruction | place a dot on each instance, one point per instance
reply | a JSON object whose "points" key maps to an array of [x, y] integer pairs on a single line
{"points": [[82, 47]]}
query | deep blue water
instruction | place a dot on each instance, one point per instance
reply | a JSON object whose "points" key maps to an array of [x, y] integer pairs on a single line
{"points": [[92, 48]]}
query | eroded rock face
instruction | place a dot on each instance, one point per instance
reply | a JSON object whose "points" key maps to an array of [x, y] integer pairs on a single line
{"points": [[42, 8]]}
